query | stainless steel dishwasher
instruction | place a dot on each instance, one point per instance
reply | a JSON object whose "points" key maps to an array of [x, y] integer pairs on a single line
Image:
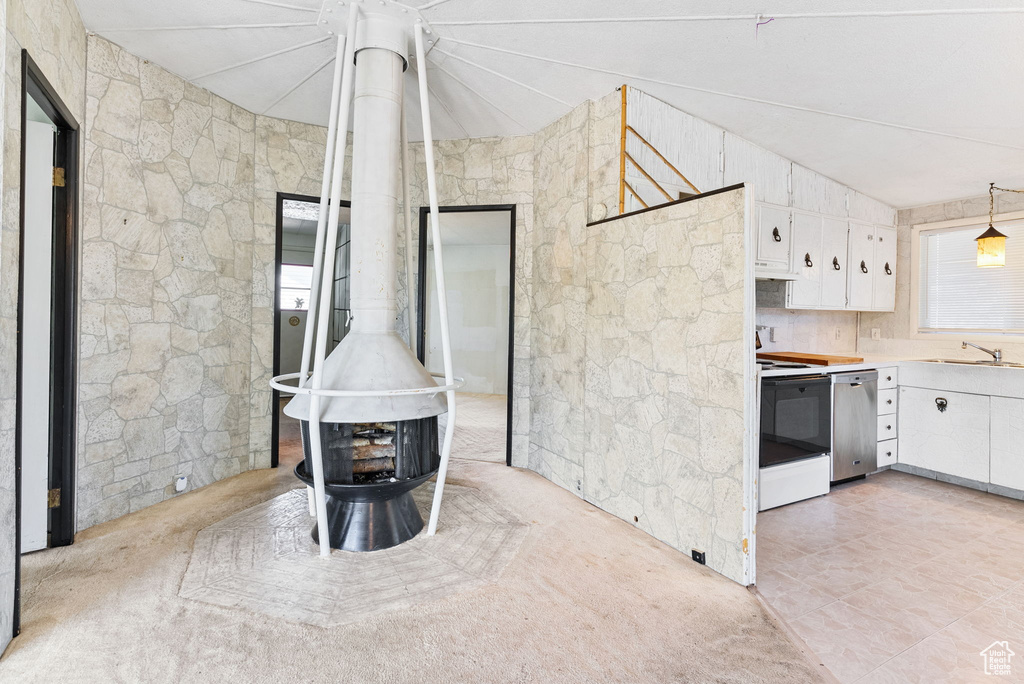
{"points": [[854, 424]]}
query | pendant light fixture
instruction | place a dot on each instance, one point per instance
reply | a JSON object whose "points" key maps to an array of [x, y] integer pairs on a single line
{"points": [[992, 243]]}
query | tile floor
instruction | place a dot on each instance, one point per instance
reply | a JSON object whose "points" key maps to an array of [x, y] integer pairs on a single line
{"points": [[898, 578]]}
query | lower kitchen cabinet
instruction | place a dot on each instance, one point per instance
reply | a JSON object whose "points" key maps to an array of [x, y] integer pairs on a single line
{"points": [[887, 452], [1007, 467], [947, 432]]}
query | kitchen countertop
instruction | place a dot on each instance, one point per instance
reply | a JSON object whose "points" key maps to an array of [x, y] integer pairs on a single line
{"points": [[870, 361]]}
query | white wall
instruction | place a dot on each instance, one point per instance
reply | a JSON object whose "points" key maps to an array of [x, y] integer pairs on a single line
{"points": [[477, 279]]}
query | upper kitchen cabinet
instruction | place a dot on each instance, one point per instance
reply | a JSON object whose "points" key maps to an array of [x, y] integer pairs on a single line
{"points": [[834, 264], [860, 275], [884, 296], [774, 242], [840, 264], [805, 292]]}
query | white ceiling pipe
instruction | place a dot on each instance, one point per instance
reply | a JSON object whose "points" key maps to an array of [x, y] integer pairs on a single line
{"points": [[324, 302], [442, 293]]}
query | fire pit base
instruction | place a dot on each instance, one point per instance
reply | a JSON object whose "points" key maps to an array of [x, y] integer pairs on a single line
{"points": [[369, 517]]}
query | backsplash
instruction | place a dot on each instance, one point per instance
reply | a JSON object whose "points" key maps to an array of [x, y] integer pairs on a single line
{"points": [[807, 331]]}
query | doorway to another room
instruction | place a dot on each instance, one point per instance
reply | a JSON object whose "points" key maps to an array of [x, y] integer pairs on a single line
{"points": [[45, 385], [296, 238], [479, 263]]}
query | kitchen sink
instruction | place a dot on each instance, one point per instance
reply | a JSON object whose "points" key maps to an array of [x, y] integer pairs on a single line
{"points": [[982, 362]]}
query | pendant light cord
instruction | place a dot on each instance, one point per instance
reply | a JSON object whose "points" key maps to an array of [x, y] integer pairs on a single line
{"points": [[992, 187]]}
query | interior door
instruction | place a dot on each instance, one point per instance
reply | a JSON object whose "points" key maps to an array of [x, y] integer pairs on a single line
{"points": [[885, 269], [862, 266], [36, 381], [805, 291], [834, 240]]}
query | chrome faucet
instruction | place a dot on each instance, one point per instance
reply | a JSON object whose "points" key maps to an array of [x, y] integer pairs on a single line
{"points": [[997, 354]]}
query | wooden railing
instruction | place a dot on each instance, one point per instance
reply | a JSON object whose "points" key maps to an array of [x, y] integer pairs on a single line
{"points": [[625, 156]]}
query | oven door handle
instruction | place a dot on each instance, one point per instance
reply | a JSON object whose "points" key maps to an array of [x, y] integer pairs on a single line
{"points": [[798, 380]]}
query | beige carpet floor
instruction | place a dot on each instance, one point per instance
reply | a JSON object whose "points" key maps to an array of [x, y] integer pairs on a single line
{"points": [[588, 598]]}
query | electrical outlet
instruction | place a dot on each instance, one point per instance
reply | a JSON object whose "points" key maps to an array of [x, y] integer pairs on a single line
{"points": [[839, 332], [876, 334], [697, 556], [771, 334]]}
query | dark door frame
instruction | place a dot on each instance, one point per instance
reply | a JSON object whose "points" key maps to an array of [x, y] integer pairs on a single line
{"points": [[421, 297], [63, 311], [275, 425]]}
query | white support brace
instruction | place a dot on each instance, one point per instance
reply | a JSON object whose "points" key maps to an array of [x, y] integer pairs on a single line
{"points": [[324, 311], [442, 297]]}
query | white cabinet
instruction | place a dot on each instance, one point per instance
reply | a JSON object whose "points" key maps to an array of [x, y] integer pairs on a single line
{"points": [[774, 241], [860, 284], [947, 432], [833, 263], [805, 292], [884, 297], [1007, 430], [887, 452]]}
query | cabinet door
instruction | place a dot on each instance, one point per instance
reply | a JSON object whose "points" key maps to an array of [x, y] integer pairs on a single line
{"points": [[861, 266], [805, 291], [834, 236], [773, 237], [885, 269], [954, 441], [1008, 442]]}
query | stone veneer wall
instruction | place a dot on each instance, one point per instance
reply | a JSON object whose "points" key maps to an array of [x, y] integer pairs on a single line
{"points": [[166, 289], [897, 328], [664, 389], [52, 32], [557, 336]]}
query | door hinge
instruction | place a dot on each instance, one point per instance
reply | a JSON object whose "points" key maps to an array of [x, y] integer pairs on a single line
{"points": [[53, 498], [58, 177]]}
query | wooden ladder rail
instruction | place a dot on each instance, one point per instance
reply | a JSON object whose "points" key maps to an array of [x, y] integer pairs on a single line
{"points": [[624, 130]]}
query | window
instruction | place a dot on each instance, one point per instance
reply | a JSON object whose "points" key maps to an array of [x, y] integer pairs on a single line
{"points": [[295, 283], [953, 294]]}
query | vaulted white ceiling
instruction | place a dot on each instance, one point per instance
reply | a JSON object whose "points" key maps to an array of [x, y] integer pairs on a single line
{"points": [[908, 101]]}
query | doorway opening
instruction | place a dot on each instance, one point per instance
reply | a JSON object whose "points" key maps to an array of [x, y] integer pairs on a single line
{"points": [[44, 437], [296, 237], [479, 267]]}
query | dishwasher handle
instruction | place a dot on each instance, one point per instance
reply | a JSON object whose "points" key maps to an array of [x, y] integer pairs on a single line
{"points": [[855, 379]]}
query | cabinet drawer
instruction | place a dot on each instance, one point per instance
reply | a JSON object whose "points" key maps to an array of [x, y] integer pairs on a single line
{"points": [[887, 378], [887, 452], [886, 427], [886, 401]]}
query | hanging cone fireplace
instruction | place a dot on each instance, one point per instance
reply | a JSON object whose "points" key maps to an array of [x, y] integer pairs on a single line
{"points": [[369, 410]]}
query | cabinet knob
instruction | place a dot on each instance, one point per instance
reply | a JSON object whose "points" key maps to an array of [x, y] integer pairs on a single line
{"points": [[888, 378], [888, 401], [941, 404], [863, 267], [888, 271], [835, 264], [807, 260], [888, 453], [888, 427], [775, 234]]}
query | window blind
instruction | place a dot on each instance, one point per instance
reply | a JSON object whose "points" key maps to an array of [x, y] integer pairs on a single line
{"points": [[954, 294]]}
